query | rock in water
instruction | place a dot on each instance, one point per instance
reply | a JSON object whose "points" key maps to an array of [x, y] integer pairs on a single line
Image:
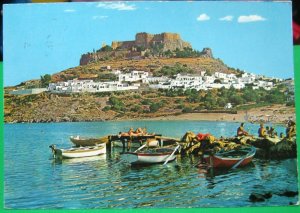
{"points": [[254, 197], [289, 193]]}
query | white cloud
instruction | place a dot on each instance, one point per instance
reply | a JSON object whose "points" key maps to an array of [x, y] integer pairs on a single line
{"points": [[203, 17], [117, 6], [69, 11], [226, 18], [250, 18], [100, 17]]}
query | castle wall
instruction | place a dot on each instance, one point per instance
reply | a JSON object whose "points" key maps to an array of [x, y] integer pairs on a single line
{"points": [[143, 39], [146, 40], [122, 44], [169, 41]]}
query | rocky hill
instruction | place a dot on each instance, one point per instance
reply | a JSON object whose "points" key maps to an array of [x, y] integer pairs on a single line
{"points": [[156, 54], [152, 65]]}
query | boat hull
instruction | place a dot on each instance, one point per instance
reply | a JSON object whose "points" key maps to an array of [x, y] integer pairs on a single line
{"points": [[153, 143], [78, 141], [147, 158], [219, 161], [80, 152]]}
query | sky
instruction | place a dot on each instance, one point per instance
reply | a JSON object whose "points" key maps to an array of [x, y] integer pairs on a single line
{"points": [[41, 39]]}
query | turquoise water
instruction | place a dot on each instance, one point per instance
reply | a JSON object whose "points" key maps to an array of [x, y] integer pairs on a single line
{"points": [[34, 180]]}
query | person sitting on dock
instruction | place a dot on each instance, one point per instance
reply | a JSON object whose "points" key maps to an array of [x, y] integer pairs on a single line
{"points": [[145, 131], [281, 135], [241, 131], [130, 132], [272, 133], [262, 131], [268, 130], [291, 129], [139, 131]]}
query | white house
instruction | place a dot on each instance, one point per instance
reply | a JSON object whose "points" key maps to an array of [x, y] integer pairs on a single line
{"points": [[202, 73], [209, 79], [151, 79], [228, 106], [28, 91], [180, 77], [220, 75], [133, 76], [116, 72], [160, 85], [217, 86], [78, 86], [238, 86]]}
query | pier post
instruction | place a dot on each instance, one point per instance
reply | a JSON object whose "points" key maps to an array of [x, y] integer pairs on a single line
{"points": [[108, 144], [123, 144]]}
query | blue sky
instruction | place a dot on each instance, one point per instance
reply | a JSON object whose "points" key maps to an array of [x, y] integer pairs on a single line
{"points": [[48, 38]]}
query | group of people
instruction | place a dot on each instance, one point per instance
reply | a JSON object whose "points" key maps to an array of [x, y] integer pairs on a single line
{"points": [[269, 131], [138, 132]]}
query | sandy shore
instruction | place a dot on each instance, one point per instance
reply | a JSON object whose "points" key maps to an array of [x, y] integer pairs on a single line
{"points": [[274, 114]]}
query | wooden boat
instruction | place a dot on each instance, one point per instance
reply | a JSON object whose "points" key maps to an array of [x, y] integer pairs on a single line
{"points": [[137, 144], [232, 158], [150, 156], [83, 141], [78, 152]]}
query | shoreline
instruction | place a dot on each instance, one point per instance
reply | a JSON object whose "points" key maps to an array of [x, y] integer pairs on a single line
{"points": [[276, 114]]}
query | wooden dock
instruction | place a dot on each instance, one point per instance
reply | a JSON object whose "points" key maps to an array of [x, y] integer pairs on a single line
{"points": [[129, 140]]}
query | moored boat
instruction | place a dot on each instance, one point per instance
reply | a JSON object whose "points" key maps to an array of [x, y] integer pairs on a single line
{"points": [[78, 152], [232, 158], [137, 144], [83, 141], [150, 156]]}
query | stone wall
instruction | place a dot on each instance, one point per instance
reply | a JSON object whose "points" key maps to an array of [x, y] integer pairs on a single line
{"points": [[94, 57], [169, 40]]}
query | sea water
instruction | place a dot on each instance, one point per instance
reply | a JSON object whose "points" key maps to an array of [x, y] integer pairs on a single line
{"points": [[34, 180]]}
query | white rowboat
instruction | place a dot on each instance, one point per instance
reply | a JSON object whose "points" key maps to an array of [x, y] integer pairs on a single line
{"points": [[150, 156], [78, 152]]}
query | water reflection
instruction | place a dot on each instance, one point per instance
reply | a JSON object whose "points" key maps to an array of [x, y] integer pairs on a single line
{"points": [[105, 182], [79, 160]]}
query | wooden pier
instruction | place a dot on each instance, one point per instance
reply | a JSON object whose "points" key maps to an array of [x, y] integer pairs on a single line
{"points": [[128, 140]]}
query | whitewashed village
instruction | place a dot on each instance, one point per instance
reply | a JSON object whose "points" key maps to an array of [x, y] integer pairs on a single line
{"points": [[129, 81], [133, 80]]}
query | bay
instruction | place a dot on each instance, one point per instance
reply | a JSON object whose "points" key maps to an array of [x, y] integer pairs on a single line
{"points": [[34, 180]]}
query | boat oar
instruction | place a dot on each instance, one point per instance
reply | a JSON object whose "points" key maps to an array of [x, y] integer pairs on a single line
{"points": [[239, 162], [140, 148], [251, 153], [171, 155]]}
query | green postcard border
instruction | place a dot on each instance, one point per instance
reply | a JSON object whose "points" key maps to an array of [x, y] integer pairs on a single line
{"points": [[204, 210]]}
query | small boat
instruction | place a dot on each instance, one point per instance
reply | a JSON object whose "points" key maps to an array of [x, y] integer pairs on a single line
{"points": [[150, 156], [78, 152], [232, 158], [82, 141], [137, 144]]}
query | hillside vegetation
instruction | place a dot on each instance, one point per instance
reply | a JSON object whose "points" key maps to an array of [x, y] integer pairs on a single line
{"points": [[147, 103]]}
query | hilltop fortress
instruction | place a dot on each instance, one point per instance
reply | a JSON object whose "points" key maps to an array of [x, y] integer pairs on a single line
{"points": [[144, 45], [169, 41]]}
